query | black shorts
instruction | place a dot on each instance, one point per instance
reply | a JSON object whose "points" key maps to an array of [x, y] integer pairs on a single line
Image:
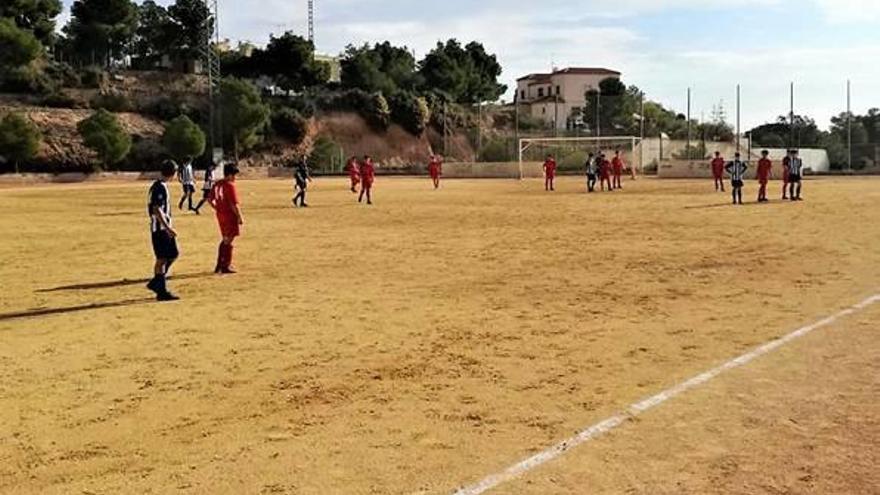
{"points": [[164, 246], [189, 189], [795, 179], [591, 177], [302, 185], [738, 183]]}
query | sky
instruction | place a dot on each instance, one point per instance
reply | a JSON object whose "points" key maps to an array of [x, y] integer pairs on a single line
{"points": [[662, 46]]}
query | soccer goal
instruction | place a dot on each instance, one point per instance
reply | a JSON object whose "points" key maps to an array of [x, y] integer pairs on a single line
{"points": [[571, 152]]}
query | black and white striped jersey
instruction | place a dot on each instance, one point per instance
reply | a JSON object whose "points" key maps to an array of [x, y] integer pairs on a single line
{"points": [[797, 166], [187, 176], [159, 199], [737, 169], [208, 184]]}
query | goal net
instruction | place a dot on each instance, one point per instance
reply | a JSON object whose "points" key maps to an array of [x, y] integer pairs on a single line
{"points": [[571, 153]]}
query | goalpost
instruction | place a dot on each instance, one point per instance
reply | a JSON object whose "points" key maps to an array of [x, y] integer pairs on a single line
{"points": [[571, 152]]}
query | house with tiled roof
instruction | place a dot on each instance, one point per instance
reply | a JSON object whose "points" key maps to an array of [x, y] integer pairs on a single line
{"points": [[557, 97]]}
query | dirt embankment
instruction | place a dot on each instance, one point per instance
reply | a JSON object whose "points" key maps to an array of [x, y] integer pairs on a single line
{"points": [[145, 93], [62, 143]]}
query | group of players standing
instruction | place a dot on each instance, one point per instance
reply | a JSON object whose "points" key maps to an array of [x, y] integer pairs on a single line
{"points": [[599, 169], [792, 175], [362, 174], [222, 195]]}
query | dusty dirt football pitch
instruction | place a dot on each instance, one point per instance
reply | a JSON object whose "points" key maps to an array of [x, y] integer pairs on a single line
{"points": [[437, 338]]}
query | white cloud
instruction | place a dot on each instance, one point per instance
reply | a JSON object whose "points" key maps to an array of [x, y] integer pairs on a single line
{"points": [[845, 11]]}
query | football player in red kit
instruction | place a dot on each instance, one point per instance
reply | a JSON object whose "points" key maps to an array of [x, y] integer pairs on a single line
{"points": [[368, 176], [354, 173], [765, 168], [617, 170], [435, 170], [550, 173], [224, 199], [718, 171], [605, 172]]}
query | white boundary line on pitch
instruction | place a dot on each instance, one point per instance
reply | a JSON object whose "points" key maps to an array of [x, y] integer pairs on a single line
{"points": [[645, 405]]}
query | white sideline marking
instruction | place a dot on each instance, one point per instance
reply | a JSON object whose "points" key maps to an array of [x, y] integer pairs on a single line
{"points": [[642, 406]]}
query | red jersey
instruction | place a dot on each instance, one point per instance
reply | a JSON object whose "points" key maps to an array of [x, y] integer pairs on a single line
{"points": [[550, 167], [786, 168], [434, 167], [352, 168], [225, 197], [718, 167], [368, 172], [617, 164], [605, 168], [764, 168]]}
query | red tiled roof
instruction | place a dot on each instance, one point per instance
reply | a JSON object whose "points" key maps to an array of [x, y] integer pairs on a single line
{"points": [[588, 71]]}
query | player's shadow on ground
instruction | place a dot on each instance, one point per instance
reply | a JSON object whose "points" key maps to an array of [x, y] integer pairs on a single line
{"points": [[721, 205], [118, 214], [120, 283], [38, 312]]}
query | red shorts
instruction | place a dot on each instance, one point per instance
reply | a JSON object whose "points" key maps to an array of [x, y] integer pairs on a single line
{"points": [[435, 174], [605, 176], [367, 183], [763, 182], [230, 229], [551, 175], [355, 180]]}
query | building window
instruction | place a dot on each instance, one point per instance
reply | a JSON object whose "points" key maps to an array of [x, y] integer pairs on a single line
{"points": [[540, 92], [544, 110], [522, 95], [558, 90]]}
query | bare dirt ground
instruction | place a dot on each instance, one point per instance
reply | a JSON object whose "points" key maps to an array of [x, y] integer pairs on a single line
{"points": [[439, 337]]}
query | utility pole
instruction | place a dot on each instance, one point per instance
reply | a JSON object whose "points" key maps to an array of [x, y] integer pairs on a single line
{"points": [[598, 132]]}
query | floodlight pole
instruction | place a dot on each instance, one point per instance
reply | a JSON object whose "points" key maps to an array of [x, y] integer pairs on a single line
{"points": [[479, 129], [642, 133], [598, 132], [210, 38], [791, 116], [849, 123], [688, 146], [516, 121], [312, 22], [445, 131], [738, 128]]}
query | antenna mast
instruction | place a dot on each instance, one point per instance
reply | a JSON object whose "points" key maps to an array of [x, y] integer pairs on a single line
{"points": [[211, 38], [312, 21]]}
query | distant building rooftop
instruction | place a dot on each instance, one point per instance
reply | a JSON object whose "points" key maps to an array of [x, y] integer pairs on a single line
{"points": [[585, 71]]}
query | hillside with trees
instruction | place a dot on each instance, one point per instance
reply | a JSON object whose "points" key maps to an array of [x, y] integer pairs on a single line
{"points": [[138, 69]]}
